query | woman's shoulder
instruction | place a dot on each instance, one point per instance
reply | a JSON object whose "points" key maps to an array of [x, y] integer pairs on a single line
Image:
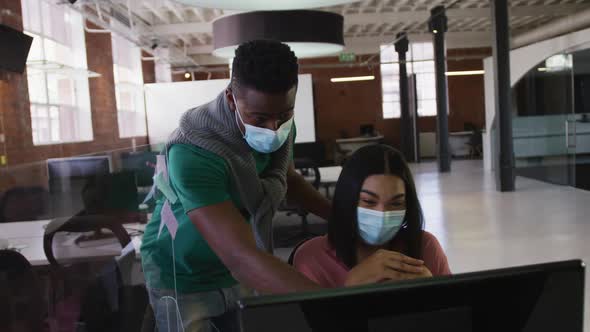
{"points": [[430, 243], [434, 255], [315, 245], [428, 238]]}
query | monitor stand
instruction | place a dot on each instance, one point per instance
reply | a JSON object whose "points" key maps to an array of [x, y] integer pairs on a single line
{"points": [[96, 239]]}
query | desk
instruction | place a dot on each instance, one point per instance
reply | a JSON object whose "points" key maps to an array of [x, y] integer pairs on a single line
{"points": [[329, 177], [459, 143], [28, 237], [350, 145]]}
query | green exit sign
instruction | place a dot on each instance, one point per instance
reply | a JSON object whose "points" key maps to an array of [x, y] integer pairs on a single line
{"points": [[347, 57]]}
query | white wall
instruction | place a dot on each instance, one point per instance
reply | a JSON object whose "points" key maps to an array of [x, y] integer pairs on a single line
{"points": [[166, 102], [521, 61]]}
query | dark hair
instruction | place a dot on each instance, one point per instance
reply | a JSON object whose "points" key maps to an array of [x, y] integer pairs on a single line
{"points": [[264, 65], [343, 233]]}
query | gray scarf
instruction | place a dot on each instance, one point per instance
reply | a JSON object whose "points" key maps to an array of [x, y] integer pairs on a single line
{"points": [[213, 127]]}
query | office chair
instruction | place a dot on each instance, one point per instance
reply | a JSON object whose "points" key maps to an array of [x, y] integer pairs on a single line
{"points": [[102, 299], [310, 171], [24, 204], [291, 259], [22, 304], [475, 144]]}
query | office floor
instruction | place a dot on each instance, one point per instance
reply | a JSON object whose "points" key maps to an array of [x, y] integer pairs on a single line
{"points": [[480, 228]]}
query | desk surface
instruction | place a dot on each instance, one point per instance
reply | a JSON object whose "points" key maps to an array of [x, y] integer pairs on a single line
{"points": [[461, 133], [27, 237], [23, 229]]}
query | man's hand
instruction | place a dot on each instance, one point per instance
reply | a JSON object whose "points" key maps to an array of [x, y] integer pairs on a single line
{"points": [[385, 265]]}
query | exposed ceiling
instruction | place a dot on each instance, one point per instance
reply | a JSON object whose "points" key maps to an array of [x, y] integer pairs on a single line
{"points": [[187, 31]]}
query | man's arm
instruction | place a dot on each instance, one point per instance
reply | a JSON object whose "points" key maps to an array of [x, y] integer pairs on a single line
{"points": [[231, 238], [305, 195]]}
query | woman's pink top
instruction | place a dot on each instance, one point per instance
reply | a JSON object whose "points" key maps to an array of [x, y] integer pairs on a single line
{"points": [[317, 260]]}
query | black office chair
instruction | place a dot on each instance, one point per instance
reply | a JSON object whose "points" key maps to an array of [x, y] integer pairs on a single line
{"points": [[311, 172], [107, 303], [81, 224], [475, 144], [291, 259], [24, 204], [22, 304]]}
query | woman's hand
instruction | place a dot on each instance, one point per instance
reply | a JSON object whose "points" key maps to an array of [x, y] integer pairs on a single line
{"points": [[385, 265]]}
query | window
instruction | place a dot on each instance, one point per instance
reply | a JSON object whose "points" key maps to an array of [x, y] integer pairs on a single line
{"points": [[421, 63], [128, 87], [57, 74]]}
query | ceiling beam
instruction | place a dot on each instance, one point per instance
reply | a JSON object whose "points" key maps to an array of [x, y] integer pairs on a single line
{"points": [[378, 18], [199, 14], [200, 49], [173, 29], [202, 41], [175, 10], [156, 11], [423, 15]]}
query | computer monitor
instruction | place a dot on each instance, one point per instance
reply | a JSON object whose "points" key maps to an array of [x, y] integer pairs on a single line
{"points": [[61, 168], [15, 49], [314, 151], [67, 179], [367, 130], [142, 164], [544, 297]]}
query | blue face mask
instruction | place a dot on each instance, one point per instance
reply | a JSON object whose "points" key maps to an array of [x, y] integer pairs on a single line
{"points": [[264, 140], [378, 227]]}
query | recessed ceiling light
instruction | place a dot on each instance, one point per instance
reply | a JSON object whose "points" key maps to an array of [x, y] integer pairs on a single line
{"points": [[352, 79]]}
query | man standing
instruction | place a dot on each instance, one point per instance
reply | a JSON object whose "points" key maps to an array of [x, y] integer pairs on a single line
{"points": [[229, 165]]}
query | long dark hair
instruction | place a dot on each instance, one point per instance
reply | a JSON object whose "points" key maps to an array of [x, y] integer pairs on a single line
{"points": [[343, 233]]}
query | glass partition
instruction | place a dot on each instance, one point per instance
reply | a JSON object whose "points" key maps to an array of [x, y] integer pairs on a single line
{"points": [[78, 221], [551, 124]]}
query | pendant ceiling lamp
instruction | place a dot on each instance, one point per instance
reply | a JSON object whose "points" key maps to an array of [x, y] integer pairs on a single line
{"points": [[263, 4], [309, 33]]}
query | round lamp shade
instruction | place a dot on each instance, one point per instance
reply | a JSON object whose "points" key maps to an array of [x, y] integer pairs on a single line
{"points": [[309, 33], [263, 4]]}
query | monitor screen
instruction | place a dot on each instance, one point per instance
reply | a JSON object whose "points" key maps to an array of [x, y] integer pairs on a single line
{"points": [[78, 167], [545, 297], [142, 164], [15, 49], [367, 130], [68, 177]]}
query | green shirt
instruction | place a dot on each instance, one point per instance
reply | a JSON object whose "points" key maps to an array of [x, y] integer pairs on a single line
{"points": [[200, 178]]}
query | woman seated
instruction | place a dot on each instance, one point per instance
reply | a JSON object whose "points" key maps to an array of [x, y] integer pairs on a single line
{"points": [[376, 230]]}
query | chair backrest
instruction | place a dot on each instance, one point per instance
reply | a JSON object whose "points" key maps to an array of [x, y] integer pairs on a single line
{"points": [[304, 165], [82, 224], [294, 251], [24, 204], [101, 288], [22, 304]]}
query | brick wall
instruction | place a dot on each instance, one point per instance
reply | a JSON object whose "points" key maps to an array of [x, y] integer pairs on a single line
{"points": [[341, 108], [25, 162]]}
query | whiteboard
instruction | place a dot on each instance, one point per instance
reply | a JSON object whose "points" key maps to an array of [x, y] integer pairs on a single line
{"points": [[166, 102]]}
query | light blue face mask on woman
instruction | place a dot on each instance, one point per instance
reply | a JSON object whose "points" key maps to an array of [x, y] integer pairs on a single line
{"points": [[378, 227], [264, 140]]}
